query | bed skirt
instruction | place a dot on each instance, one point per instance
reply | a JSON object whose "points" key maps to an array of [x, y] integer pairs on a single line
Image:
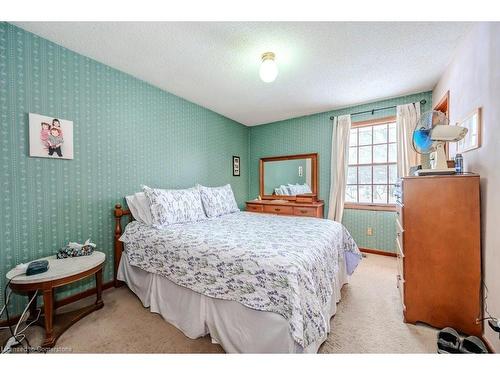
{"points": [[237, 328]]}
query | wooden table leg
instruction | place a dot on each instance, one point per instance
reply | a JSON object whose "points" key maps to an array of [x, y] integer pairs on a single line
{"points": [[48, 305], [98, 288]]}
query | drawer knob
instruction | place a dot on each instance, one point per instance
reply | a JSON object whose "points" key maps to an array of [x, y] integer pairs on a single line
{"points": [[303, 211], [277, 209]]}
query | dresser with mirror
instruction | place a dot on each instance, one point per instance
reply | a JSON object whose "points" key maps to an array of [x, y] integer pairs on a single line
{"points": [[288, 185]]}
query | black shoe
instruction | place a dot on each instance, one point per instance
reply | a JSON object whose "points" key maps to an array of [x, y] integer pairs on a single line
{"points": [[448, 341], [473, 345]]}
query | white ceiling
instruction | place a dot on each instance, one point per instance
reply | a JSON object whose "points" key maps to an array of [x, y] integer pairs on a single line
{"points": [[322, 65]]}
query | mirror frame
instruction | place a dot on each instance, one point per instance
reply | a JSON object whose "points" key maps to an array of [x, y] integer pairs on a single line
{"points": [[314, 174]]}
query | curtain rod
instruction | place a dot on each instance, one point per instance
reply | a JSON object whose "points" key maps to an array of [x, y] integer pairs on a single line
{"points": [[372, 111]]}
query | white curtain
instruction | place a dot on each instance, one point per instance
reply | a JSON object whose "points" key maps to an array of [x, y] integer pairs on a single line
{"points": [[406, 118], [338, 168]]}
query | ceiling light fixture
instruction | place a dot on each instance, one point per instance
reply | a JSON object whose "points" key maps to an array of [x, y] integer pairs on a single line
{"points": [[268, 69]]}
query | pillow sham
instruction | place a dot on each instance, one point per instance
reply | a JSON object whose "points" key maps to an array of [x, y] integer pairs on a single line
{"points": [[294, 189], [138, 205], [285, 190], [143, 208], [218, 201], [131, 204], [306, 189], [174, 206], [299, 189]]}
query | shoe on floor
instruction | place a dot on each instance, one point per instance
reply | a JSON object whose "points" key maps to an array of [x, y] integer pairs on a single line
{"points": [[448, 341], [473, 345]]}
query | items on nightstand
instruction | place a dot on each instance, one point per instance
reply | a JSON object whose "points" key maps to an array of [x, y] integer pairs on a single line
{"points": [[74, 249], [459, 164], [36, 267], [429, 137]]}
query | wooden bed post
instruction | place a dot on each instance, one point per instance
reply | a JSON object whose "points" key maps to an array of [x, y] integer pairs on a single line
{"points": [[118, 245]]}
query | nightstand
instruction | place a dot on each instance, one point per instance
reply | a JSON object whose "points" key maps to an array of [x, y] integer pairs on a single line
{"points": [[61, 272]]}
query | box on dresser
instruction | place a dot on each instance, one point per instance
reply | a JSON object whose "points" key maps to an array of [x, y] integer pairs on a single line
{"points": [[439, 251]]}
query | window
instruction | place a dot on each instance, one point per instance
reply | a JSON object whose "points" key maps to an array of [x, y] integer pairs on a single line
{"points": [[372, 169]]}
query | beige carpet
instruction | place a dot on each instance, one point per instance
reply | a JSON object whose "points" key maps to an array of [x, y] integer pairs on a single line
{"points": [[368, 320]]}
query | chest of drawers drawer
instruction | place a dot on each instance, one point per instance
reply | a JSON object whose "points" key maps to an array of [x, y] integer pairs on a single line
{"points": [[401, 287], [305, 211], [280, 210], [400, 259], [255, 207], [399, 212], [399, 235]]}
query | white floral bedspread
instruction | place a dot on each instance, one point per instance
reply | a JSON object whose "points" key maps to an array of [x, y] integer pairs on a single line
{"points": [[281, 264]]}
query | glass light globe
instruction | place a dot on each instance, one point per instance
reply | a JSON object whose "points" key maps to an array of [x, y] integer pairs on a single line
{"points": [[268, 70]]}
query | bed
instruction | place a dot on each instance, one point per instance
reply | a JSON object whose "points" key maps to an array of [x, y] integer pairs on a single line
{"points": [[255, 283]]}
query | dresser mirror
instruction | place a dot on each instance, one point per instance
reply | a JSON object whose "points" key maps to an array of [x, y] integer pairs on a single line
{"points": [[286, 177]]}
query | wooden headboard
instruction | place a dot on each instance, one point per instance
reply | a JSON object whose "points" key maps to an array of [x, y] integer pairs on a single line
{"points": [[119, 212]]}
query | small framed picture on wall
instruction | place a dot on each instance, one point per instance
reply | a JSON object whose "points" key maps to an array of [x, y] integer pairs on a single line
{"points": [[50, 137], [236, 165]]}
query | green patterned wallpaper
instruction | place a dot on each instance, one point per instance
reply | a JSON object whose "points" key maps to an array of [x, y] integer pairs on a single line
{"points": [[127, 133], [383, 226], [313, 133]]}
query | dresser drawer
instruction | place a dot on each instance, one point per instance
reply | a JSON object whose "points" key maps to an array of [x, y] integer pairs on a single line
{"points": [[399, 234], [399, 212], [400, 259], [304, 211], [255, 207], [399, 247], [280, 210], [401, 287]]}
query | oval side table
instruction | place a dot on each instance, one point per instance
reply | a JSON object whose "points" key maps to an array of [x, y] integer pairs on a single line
{"points": [[61, 272]]}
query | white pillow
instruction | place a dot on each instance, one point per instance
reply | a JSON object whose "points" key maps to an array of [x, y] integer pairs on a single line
{"points": [[138, 205], [299, 189], [174, 206], [218, 201], [143, 208], [306, 189], [285, 189], [131, 203], [294, 189]]}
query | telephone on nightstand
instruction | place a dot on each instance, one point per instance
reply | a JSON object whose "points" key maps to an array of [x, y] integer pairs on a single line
{"points": [[36, 267], [33, 268]]}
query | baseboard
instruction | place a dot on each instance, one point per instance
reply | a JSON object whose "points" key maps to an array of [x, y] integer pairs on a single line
{"points": [[378, 252], [64, 301]]}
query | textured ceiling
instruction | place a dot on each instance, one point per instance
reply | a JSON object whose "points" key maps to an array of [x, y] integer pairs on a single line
{"points": [[322, 65]]}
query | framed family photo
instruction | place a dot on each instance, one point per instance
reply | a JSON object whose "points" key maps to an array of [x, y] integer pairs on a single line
{"points": [[236, 165], [50, 137], [472, 139]]}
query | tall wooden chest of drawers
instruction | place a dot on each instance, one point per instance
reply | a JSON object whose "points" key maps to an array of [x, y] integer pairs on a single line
{"points": [[439, 251]]}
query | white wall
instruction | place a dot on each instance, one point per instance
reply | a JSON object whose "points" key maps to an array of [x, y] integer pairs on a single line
{"points": [[473, 78]]}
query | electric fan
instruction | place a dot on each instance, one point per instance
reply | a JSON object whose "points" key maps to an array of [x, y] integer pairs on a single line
{"points": [[429, 137]]}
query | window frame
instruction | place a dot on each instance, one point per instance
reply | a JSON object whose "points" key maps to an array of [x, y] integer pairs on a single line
{"points": [[372, 206]]}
